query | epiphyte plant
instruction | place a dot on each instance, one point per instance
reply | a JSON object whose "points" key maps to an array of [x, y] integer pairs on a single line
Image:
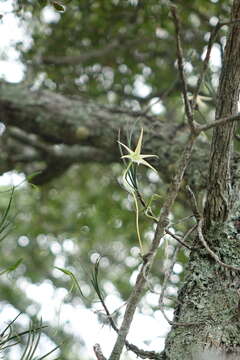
{"points": [[129, 176]]}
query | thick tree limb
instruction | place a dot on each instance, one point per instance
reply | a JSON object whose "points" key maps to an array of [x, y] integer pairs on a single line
{"points": [[82, 58], [49, 128], [50, 132], [91, 55]]}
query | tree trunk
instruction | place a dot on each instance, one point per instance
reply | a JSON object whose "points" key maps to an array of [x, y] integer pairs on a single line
{"points": [[210, 297]]}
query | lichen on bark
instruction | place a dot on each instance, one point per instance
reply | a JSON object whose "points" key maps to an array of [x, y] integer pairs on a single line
{"points": [[209, 296]]}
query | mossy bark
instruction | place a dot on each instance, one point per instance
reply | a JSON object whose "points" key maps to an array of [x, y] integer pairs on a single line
{"points": [[209, 298], [210, 295], [38, 122]]}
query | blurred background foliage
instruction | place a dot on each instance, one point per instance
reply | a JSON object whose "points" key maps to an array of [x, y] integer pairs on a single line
{"points": [[120, 52]]}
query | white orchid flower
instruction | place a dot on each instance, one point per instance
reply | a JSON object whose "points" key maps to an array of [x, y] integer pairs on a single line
{"points": [[136, 156]]}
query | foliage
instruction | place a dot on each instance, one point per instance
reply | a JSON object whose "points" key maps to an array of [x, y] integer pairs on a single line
{"points": [[43, 242], [120, 52]]}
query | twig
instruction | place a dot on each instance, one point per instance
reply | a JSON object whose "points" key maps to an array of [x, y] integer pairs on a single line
{"points": [[167, 275], [172, 194], [143, 353], [211, 253], [109, 316], [86, 56], [185, 218], [188, 108], [205, 62], [194, 204], [149, 257], [173, 323], [98, 352], [231, 22], [178, 239], [218, 122], [139, 352], [164, 286], [212, 38]]}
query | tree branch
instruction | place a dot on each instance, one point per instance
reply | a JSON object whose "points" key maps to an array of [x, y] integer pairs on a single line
{"points": [[80, 59], [93, 54], [188, 108], [182, 241], [98, 352], [216, 123], [149, 257], [78, 130]]}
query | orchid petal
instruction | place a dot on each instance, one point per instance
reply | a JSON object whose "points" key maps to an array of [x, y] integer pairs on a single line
{"points": [[139, 144], [148, 156], [126, 147], [143, 162]]}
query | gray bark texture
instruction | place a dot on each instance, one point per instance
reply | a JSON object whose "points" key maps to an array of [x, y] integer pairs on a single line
{"points": [[49, 132], [210, 295]]}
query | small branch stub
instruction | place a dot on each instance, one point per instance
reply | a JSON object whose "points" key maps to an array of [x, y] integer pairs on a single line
{"points": [[98, 352]]}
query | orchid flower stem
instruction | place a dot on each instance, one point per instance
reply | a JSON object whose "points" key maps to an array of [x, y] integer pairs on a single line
{"points": [[132, 192], [137, 158], [137, 223]]}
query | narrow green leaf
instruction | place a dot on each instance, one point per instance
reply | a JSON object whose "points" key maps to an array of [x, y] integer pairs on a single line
{"points": [[32, 176], [4, 217], [65, 271], [11, 267], [73, 278], [10, 324], [5, 235], [34, 346], [50, 352], [15, 266]]}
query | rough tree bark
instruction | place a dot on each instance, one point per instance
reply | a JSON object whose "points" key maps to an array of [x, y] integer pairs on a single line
{"points": [[210, 295], [50, 132]]}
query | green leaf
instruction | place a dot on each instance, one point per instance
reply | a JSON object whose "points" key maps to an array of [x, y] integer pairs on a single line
{"points": [[12, 267], [73, 278], [50, 352], [4, 217], [58, 6], [32, 175]]}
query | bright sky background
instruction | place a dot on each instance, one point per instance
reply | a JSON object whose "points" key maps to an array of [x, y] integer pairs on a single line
{"points": [[11, 32], [146, 332]]}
